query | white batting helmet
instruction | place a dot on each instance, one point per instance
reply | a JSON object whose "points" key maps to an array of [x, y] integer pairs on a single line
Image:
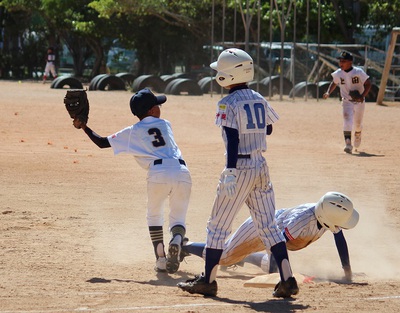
{"points": [[335, 209], [234, 66]]}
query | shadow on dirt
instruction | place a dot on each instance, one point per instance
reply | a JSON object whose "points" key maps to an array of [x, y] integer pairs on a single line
{"points": [[362, 154]]}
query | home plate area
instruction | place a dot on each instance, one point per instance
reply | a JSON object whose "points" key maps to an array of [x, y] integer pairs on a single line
{"points": [[270, 280]]}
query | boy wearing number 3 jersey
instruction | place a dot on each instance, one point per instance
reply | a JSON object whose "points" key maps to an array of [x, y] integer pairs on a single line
{"points": [[245, 119], [152, 143]]}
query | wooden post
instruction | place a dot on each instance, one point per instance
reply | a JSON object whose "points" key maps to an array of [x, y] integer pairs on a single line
{"points": [[388, 64]]}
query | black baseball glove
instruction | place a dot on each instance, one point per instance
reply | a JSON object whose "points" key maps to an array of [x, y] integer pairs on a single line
{"points": [[77, 105], [356, 96]]}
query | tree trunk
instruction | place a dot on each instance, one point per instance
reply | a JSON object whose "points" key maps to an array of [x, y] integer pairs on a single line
{"points": [[99, 65], [345, 29]]}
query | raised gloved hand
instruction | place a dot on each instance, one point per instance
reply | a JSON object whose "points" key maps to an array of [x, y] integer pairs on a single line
{"points": [[77, 105], [229, 181]]}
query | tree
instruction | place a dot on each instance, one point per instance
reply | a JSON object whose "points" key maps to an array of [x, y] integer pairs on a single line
{"points": [[167, 33], [82, 30], [21, 39], [383, 16], [164, 33]]}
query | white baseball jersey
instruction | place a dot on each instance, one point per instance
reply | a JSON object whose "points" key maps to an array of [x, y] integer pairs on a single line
{"points": [[50, 65], [148, 140], [298, 223], [347, 81], [352, 111], [249, 113], [51, 57], [152, 143]]}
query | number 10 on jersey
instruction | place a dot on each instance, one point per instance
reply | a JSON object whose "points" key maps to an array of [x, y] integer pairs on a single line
{"points": [[252, 117]]}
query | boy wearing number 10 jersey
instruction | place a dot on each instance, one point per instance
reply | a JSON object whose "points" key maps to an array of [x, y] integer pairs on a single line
{"points": [[245, 118]]}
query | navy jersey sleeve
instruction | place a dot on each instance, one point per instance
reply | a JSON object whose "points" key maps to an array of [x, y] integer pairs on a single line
{"points": [[232, 136], [101, 142], [341, 246]]}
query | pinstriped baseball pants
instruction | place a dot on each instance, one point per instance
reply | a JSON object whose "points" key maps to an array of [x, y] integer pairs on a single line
{"points": [[256, 191]]}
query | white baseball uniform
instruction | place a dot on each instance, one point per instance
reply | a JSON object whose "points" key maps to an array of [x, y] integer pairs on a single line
{"points": [[298, 223], [50, 65], [352, 111], [249, 113], [152, 143]]}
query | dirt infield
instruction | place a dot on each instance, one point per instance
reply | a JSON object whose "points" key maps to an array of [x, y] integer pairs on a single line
{"points": [[73, 230]]}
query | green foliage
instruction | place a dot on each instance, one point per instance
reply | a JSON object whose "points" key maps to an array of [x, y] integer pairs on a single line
{"points": [[383, 16], [165, 33], [20, 5]]}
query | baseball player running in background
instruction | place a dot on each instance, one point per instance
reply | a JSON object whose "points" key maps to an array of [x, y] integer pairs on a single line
{"points": [[152, 143], [245, 118], [301, 225], [354, 86], [50, 64]]}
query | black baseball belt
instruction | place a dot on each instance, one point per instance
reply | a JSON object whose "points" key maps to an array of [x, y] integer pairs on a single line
{"points": [[160, 161]]}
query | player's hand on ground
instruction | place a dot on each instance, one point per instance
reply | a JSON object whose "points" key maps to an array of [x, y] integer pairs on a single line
{"points": [[348, 274], [229, 181], [325, 95]]}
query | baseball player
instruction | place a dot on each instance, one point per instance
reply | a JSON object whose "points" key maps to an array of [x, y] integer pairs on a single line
{"points": [[50, 64], [301, 225], [245, 118], [351, 80], [152, 143]]}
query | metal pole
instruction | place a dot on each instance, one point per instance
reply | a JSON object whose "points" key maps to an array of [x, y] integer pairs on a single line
{"points": [[319, 41], [293, 51], [258, 44], [234, 24], [270, 45], [282, 55], [212, 45], [223, 35], [247, 28], [223, 22], [307, 34]]}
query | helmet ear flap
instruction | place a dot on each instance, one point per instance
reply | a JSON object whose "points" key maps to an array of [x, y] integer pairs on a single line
{"points": [[322, 217], [223, 79]]}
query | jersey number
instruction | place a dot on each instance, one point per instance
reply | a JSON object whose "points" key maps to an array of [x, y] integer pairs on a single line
{"points": [[255, 115], [158, 138]]}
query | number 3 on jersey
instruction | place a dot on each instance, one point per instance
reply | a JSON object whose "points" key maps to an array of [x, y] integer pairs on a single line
{"points": [[252, 117], [158, 138]]}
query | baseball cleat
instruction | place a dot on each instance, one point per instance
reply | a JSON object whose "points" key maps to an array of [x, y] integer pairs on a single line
{"points": [[200, 286], [348, 148], [357, 139], [174, 253], [286, 289], [161, 265]]}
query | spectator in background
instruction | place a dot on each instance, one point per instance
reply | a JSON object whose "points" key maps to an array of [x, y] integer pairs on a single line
{"points": [[50, 64]]}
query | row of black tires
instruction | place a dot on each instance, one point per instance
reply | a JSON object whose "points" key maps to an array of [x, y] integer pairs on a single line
{"points": [[176, 85], [100, 82]]}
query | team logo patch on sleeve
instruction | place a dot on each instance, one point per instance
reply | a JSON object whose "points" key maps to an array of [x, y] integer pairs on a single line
{"points": [[221, 113], [220, 116], [288, 234]]}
